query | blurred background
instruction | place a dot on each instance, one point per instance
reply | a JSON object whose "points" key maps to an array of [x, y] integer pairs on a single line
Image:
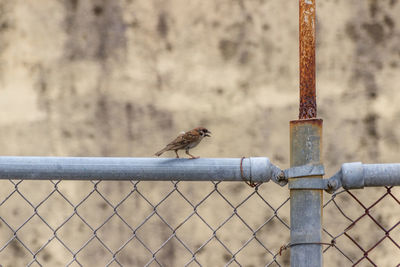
{"points": [[123, 78]]}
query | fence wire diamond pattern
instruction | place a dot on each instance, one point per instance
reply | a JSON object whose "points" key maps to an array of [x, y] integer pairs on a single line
{"points": [[81, 223], [131, 223], [363, 226]]}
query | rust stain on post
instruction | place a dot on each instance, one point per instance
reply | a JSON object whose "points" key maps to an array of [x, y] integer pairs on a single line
{"points": [[308, 104]]}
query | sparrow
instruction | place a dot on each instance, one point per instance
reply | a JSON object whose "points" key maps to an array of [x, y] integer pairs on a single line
{"points": [[186, 141]]}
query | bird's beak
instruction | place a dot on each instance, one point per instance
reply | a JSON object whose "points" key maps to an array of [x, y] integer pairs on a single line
{"points": [[207, 134]]}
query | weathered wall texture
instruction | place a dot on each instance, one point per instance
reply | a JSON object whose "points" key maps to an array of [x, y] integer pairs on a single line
{"points": [[122, 78]]}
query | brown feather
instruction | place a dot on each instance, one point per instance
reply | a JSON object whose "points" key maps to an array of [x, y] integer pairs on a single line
{"points": [[184, 141]]}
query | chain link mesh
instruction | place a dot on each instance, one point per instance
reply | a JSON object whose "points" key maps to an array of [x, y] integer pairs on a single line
{"points": [[131, 223], [363, 227]]}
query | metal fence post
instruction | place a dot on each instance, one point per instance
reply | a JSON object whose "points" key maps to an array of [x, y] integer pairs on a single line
{"points": [[305, 148], [305, 204]]}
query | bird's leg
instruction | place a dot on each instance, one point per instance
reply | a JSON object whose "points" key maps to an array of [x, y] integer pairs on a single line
{"points": [[192, 157], [176, 152]]}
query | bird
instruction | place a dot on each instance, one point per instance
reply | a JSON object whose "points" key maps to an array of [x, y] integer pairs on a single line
{"points": [[186, 141]]}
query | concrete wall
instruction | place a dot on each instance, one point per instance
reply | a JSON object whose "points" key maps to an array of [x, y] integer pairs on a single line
{"points": [[122, 78]]}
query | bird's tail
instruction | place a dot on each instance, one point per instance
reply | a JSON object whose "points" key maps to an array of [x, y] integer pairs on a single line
{"points": [[160, 152]]}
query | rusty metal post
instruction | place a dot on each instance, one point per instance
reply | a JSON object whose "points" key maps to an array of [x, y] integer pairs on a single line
{"points": [[306, 148], [308, 104]]}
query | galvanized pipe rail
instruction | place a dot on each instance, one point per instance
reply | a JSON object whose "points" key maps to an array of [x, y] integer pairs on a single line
{"points": [[254, 169], [356, 175]]}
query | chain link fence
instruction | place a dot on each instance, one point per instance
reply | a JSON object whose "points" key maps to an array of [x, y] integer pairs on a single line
{"points": [[103, 223], [132, 223], [363, 227]]}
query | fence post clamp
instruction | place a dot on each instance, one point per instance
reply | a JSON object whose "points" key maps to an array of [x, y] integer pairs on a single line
{"points": [[304, 171]]}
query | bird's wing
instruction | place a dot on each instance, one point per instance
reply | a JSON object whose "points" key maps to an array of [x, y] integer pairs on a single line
{"points": [[183, 140]]}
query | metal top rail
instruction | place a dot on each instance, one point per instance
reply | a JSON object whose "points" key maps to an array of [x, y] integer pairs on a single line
{"points": [[254, 169], [356, 175]]}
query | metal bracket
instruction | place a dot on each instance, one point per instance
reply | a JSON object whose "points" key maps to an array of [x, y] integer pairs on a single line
{"points": [[308, 183], [304, 171]]}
